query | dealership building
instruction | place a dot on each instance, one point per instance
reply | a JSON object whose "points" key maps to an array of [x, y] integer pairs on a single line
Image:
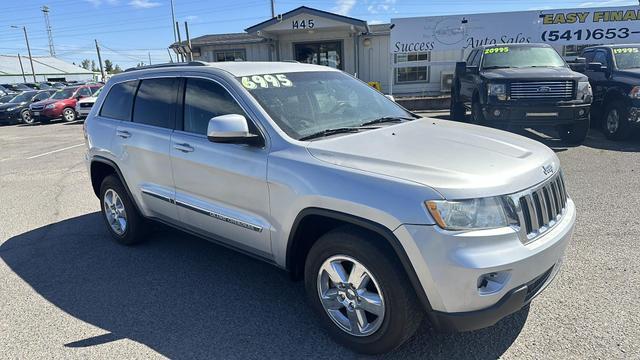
{"points": [[416, 67], [14, 69]]}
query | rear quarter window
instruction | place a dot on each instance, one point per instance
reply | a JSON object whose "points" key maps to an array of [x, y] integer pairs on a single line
{"points": [[119, 101]]}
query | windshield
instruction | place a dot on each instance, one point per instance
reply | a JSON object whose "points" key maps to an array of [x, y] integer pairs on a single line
{"points": [[521, 57], [63, 94], [305, 103], [627, 57], [23, 97]]}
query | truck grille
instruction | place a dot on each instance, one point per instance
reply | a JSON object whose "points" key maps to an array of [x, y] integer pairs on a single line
{"points": [[86, 105], [562, 90], [541, 207]]}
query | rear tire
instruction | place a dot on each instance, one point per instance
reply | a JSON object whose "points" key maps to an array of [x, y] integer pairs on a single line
{"points": [[575, 134], [346, 304], [615, 122], [123, 221]]}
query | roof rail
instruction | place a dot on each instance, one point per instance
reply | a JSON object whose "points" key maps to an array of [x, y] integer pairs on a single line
{"points": [[166, 65]]}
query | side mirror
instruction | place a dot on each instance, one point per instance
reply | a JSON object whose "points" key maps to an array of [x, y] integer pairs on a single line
{"points": [[390, 97], [231, 129], [579, 65], [596, 66], [461, 67]]}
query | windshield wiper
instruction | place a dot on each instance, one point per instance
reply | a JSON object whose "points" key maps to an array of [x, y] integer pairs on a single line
{"points": [[328, 132], [496, 67], [386, 119]]}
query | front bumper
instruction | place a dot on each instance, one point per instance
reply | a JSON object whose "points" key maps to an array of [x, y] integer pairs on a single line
{"points": [[533, 114], [450, 266], [47, 113]]}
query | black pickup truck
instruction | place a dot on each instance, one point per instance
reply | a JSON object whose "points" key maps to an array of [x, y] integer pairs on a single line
{"points": [[522, 85], [614, 74]]}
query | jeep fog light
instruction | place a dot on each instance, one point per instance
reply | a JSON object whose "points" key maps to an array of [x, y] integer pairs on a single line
{"points": [[493, 282]]}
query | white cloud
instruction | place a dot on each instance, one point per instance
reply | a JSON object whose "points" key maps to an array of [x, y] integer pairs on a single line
{"points": [[97, 3], [343, 7], [381, 6], [607, 3], [144, 4], [376, 22]]}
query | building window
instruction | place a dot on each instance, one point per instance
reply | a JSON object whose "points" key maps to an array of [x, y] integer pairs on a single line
{"points": [[413, 73], [230, 55]]}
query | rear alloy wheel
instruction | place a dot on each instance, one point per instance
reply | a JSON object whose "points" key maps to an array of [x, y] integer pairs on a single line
{"points": [[123, 220], [69, 115], [615, 124]]}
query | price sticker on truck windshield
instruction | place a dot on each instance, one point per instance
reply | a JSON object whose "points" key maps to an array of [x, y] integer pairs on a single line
{"points": [[497, 50], [626, 50], [265, 81]]}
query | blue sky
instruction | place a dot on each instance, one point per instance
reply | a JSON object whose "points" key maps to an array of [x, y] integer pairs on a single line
{"points": [[129, 30]]}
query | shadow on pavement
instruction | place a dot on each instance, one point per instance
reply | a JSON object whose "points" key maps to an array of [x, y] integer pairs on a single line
{"points": [[185, 297]]}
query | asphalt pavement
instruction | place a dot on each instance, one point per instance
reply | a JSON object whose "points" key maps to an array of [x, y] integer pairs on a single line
{"points": [[68, 291]]}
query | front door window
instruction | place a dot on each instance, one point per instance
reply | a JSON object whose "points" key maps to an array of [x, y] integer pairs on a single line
{"points": [[322, 53]]}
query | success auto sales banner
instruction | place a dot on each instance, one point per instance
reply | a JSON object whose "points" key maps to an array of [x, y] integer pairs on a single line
{"points": [[607, 25]]}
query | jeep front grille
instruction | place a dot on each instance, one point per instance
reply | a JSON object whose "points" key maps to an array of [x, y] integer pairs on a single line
{"points": [[532, 90], [541, 207]]}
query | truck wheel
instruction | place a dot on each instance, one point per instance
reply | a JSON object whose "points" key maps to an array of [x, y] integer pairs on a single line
{"points": [[362, 296], [575, 134], [457, 110], [615, 123], [477, 117], [123, 221]]}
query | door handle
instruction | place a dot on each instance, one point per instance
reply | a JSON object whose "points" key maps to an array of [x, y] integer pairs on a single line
{"points": [[183, 147], [123, 134]]}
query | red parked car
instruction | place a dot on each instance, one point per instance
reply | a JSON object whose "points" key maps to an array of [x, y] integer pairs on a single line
{"points": [[62, 103]]}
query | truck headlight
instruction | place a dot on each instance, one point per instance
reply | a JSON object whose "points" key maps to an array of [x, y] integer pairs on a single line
{"points": [[497, 90], [50, 106], [584, 92], [472, 214], [635, 92]]}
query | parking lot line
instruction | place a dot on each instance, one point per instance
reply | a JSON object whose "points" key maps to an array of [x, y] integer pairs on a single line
{"points": [[54, 151]]}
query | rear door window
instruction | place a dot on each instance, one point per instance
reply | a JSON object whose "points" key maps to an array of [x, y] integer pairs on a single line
{"points": [[155, 102], [119, 101]]}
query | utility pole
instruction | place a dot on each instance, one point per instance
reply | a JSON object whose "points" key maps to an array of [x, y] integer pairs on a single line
{"points": [[173, 20], [186, 29], [99, 60], [179, 42], [26, 39], [170, 58], [273, 9], [24, 78], [45, 11], [149, 53]]}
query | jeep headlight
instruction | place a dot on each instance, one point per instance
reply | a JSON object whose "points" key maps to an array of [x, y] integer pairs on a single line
{"points": [[472, 214], [497, 90], [584, 92], [50, 106]]}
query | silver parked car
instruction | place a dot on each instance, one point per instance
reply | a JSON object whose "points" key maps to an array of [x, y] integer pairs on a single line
{"points": [[385, 215]]}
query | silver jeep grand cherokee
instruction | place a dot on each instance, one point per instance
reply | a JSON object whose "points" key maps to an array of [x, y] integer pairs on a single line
{"points": [[386, 216]]}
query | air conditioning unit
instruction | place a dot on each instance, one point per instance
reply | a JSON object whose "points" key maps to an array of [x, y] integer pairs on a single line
{"points": [[446, 81]]}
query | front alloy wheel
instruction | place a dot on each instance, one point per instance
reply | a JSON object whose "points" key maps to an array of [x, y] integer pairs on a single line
{"points": [[69, 114], [26, 117], [350, 295]]}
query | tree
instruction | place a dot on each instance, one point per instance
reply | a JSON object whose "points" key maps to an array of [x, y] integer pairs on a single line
{"points": [[108, 66], [116, 69], [140, 64], [93, 66], [86, 64]]}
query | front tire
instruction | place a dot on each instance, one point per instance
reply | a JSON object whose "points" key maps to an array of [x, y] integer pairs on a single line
{"points": [[69, 115], [477, 117], [360, 293], [615, 123], [457, 111], [575, 134], [27, 117], [123, 221]]}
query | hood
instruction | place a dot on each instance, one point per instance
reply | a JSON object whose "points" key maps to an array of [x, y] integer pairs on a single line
{"points": [[458, 160], [45, 102], [629, 73], [6, 106], [90, 99], [542, 73]]}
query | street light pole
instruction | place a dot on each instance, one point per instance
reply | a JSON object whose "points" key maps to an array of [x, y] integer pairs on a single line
{"points": [[26, 39]]}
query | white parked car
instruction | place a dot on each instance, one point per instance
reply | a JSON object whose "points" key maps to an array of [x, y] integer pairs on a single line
{"points": [[83, 106]]}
